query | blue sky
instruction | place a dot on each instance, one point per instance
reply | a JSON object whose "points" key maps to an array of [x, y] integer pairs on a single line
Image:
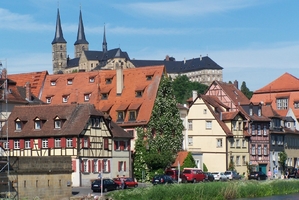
{"points": [[254, 41]]}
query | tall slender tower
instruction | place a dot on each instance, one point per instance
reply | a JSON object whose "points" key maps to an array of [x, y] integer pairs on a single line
{"points": [[104, 42], [81, 44], [59, 58]]}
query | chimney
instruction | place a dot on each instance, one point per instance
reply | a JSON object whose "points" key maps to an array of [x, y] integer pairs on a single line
{"points": [[167, 58], [236, 84], [200, 58], [119, 78], [28, 91], [4, 73], [194, 94], [184, 60]]}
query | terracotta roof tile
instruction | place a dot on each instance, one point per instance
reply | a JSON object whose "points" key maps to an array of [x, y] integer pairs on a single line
{"points": [[181, 156]]}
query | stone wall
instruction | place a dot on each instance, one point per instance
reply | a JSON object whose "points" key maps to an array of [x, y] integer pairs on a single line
{"points": [[46, 178]]}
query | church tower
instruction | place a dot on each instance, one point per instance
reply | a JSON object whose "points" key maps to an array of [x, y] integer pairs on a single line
{"points": [[81, 44], [59, 58], [104, 45]]}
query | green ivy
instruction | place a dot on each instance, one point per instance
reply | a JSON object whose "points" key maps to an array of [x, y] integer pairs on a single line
{"points": [[189, 162], [157, 144]]}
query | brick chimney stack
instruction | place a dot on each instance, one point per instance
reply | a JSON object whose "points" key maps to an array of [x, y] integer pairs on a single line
{"points": [[28, 91], [236, 84]]}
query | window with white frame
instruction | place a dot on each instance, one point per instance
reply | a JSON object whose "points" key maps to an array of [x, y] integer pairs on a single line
{"points": [[232, 143], [296, 105], [57, 123], [190, 124], [237, 160], [259, 150], [252, 129], [91, 79], [282, 103], [117, 145], [190, 140], [240, 126], [234, 126], [53, 83], [37, 124], [85, 142], [27, 144], [57, 142], [126, 145], [86, 97], [265, 130], [259, 112], [16, 144], [44, 143], [259, 131], [243, 143], [18, 125], [65, 98], [95, 165], [48, 99], [243, 160], [6, 145], [253, 149], [273, 140], [238, 143], [85, 165], [69, 142], [70, 81], [121, 166], [208, 124], [219, 142], [105, 165], [250, 112], [265, 149]]}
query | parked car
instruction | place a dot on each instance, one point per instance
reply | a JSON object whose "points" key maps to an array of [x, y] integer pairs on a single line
{"points": [[293, 172], [257, 175], [232, 175], [209, 176], [194, 175], [162, 179], [174, 175], [129, 182], [108, 185], [219, 176]]}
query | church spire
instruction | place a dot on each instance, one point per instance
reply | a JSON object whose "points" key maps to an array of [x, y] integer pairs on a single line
{"points": [[81, 44], [104, 41], [58, 33]]}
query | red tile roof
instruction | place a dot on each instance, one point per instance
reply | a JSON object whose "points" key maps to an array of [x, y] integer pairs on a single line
{"points": [[36, 80], [181, 156]]}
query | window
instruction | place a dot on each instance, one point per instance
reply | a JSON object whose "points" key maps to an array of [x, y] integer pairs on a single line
{"points": [[296, 105], [259, 112], [243, 143], [44, 143], [237, 160], [85, 142], [16, 144], [250, 112], [234, 124], [57, 142], [121, 166], [91, 79], [70, 81], [120, 115], [132, 115], [86, 97], [53, 83], [117, 145], [282, 103], [106, 145], [65, 98], [27, 144], [6, 145], [105, 165], [259, 150], [37, 124], [232, 143], [95, 122], [85, 165], [240, 126], [108, 80], [219, 142], [18, 125], [265, 150], [149, 77], [190, 124], [190, 140], [138, 93], [238, 143], [252, 130], [126, 145], [69, 142], [208, 124], [48, 99], [259, 131], [104, 96], [273, 140], [265, 130], [57, 124], [243, 160], [253, 149]]}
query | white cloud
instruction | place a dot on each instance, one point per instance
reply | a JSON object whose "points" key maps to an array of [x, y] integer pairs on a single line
{"points": [[185, 7]]}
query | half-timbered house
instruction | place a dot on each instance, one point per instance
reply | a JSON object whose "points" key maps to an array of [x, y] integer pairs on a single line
{"points": [[76, 130]]}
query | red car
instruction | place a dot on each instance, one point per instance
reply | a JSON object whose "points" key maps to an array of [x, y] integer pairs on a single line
{"points": [[129, 182], [194, 175]]}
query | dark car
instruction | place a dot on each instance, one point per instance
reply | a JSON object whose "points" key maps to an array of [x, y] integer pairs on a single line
{"points": [[108, 185], [232, 175], [293, 172], [129, 182], [209, 176], [257, 175], [173, 173], [162, 179]]}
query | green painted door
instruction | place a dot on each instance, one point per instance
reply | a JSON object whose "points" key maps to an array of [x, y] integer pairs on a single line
{"points": [[263, 168]]}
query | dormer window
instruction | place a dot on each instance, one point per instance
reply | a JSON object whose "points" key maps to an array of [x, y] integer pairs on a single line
{"points": [[65, 98], [296, 104], [57, 123], [259, 112], [95, 122], [53, 83], [108, 80], [18, 125], [132, 115], [138, 93], [37, 124], [104, 96], [120, 116], [48, 99], [87, 97], [91, 79], [149, 77], [70, 81], [282, 103], [250, 111]]}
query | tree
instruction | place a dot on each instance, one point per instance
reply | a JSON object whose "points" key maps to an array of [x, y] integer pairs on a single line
{"points": [[246, 91], [282, 160], [188, 162], [205, 169], [231, 166], [183, 88], [158, 143]]}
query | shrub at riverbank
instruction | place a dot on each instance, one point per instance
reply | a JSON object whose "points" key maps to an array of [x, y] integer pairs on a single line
{"points": [[210, 191]]}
